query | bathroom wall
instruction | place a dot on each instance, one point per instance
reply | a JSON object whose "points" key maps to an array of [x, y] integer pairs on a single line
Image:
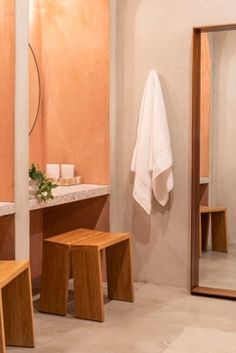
{"points": [[7, 67], [71, 40], [223, 191], [157, 34]]}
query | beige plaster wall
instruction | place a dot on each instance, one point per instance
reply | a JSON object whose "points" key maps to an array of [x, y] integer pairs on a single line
{"points": [[156, 34], [223, 188]]}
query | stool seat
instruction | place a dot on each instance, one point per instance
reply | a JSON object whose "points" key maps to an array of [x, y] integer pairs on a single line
{"points": [[207, 209], [79, 252], [10, 270], [16, 309], [69, 238], [102, 240]]}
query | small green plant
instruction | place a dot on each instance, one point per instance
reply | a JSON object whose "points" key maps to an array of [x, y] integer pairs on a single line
{"points": [[45, 186]]}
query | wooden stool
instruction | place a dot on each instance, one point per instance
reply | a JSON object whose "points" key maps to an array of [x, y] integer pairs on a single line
{"points": [[86, 263], [16, 311], [57, 262], [218, 228], [56, 269]]}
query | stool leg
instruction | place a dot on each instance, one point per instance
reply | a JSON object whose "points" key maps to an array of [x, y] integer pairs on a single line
{"points": [[18, 311], [219, 233], [55, 279], [86, 263], [119, 272], [200, 236], [205, 230], [2, 333]]}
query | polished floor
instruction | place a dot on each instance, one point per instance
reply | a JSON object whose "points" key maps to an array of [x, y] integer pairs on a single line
{"points": [[162, 320], [217, 269]]}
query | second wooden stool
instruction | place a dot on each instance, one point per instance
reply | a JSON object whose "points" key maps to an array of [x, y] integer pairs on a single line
{"points": [[16, 305]]}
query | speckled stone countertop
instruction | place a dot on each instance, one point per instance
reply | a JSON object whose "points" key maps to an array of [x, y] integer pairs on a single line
{"points": [[67, 194], [62, 195], [6, 208]]}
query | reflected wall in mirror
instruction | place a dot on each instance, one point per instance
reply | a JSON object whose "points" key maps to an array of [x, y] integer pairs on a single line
{"points": [[34, 89], [214, 167]]}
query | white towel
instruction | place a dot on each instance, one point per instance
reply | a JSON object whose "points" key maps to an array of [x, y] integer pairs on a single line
{"points": [[152, 158]]}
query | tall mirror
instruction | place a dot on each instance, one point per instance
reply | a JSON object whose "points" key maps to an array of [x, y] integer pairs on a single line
{"points": [[214, 167], [34, 89]]}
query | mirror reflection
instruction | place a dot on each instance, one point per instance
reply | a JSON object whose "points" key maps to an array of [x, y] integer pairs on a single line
{"points": [[34, 89], [217, 240]]}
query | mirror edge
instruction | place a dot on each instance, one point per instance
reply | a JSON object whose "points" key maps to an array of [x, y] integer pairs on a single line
{"points": [[39, 81]]}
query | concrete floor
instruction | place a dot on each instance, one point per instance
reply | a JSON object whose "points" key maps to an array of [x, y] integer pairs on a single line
{"points": [[217, 269], [162, 319]]}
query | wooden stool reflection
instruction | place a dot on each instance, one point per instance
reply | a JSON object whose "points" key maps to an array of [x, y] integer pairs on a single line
{"points": [[218, 228], [16, 308]]}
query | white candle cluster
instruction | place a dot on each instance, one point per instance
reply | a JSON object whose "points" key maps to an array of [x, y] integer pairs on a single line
{"points": [[55, 171]]}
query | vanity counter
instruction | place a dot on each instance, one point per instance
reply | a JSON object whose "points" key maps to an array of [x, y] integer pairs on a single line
{"points": [[7, 208], [62, 195], [67, 194]]}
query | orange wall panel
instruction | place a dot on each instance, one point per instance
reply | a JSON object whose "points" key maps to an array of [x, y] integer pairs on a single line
{"points": [[7, 69], [74, 60]]}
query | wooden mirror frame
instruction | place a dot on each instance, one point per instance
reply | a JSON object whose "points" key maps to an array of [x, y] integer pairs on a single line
{"points": [[195, 198]]}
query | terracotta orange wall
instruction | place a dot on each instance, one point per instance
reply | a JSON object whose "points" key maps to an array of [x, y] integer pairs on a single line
{"points": [[7, 67], [74, 60], [205, 104]]}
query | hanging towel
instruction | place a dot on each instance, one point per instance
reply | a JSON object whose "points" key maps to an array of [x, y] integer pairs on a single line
{"points": [[152, 157]]}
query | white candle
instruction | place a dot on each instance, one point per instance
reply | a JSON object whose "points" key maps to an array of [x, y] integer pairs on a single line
{"points": [[53, 171], [67, 171]]}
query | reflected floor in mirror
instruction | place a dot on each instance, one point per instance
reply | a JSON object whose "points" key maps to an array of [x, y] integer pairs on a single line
{"points": [[217, 269]]}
